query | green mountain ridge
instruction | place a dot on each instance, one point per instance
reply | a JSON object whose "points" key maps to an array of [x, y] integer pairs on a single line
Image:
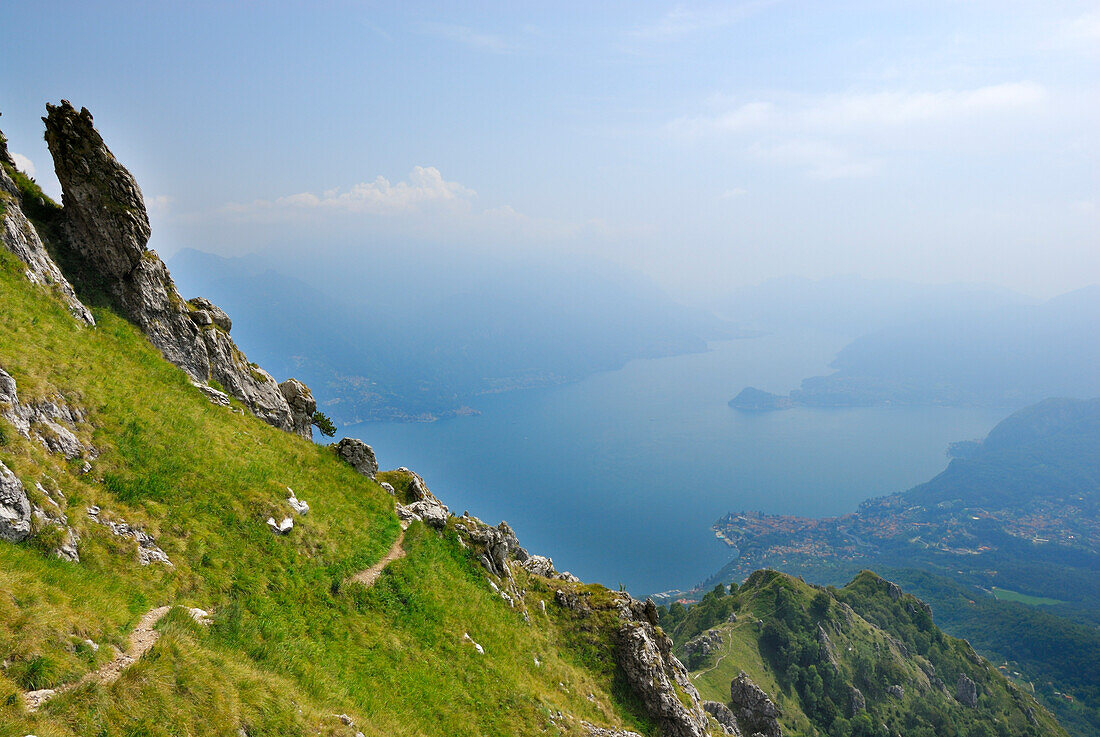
{"points": [[1003, 543], [176, 558]]}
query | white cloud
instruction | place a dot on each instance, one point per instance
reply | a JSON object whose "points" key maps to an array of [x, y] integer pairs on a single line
{"points": [[471, 37], [24, 164], [840, 135], [820, 159], [682, 21], [1082, 29], [841, 113], [424, 189], [158, 203]]}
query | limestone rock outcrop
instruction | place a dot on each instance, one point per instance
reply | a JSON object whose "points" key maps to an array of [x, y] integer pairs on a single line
{"points": [[302, 406], [106, 231], [358, 455], [15, 507], [857, 702], [19, 236], [723, 715], [655, 675], [540, 565], [966, 691], [147, 549], [591, 730], [703, 644], [49, 421], [498, 545], [755, 712], [423, 504]]}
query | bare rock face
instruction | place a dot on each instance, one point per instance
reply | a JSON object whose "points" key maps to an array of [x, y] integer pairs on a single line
{"points": [[302, 406], [106, 230], [206, 312], [498, 545], [656, 676], [540, 565], [857, 703], [723, 715], [754, 710], [358, 455], [591, 730], [966, 691], [148, 551], [15, 507], [49, 421], [19, 236], [702, 645]]}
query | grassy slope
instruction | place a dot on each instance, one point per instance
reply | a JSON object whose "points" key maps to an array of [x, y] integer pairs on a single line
{"points": [[291, 645], [856, 637]]}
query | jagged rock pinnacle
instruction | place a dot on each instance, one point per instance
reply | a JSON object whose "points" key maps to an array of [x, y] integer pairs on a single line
{"points": [[106, 232]]}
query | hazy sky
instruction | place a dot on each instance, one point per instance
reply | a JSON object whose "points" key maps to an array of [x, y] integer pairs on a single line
{"points": [[708, 144]]}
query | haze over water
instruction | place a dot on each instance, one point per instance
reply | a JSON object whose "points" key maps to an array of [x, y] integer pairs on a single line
{"points": [[619, 477]]}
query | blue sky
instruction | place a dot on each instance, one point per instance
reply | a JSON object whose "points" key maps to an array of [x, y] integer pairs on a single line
{"points": [[705, 144]]}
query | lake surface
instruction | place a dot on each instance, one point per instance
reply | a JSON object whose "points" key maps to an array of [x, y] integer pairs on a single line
{"points": [[619, 477]]}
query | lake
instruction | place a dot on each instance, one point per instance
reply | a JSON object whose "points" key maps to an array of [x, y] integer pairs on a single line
{"points": [[618, 477]]}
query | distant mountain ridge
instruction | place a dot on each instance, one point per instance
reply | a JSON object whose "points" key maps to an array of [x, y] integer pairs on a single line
{"points": [[426, 350], [1007, 357]]}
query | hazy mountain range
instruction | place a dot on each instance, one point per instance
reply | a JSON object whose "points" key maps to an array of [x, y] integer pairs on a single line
{"points": [[1007, 356], [419, 339]]}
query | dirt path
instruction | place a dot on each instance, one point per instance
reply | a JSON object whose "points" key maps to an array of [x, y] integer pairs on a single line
{"points": [[370, 575], [142, 640]]}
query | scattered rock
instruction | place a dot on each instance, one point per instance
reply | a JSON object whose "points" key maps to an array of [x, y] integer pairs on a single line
{"points": [[359, 456], [67, 548], [388, 488], [432, 512], [297, 504], [828, 651], [216, 397], [302, 406], [893, 590], [572, 601], [280, 528], [49, 421], [755, 712], [966, 691], [15, 507], [591, 730], [147, 550], [897, 691], [723, 715], [201, 616], [345, 719], [703, 644], [479, 648]]}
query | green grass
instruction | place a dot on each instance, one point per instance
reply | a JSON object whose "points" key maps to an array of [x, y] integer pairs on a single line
{"points": [[1006, 595], [291, 643]]}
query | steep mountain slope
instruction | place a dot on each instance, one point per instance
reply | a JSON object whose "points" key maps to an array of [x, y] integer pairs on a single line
{"points": [[171, 563]]}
